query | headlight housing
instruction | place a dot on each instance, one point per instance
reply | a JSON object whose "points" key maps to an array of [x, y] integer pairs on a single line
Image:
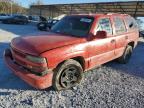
{"points": [[36, 59]]}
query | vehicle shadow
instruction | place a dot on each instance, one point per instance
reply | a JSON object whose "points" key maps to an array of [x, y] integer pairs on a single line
{"points": [[8, 80], [135, 66]]}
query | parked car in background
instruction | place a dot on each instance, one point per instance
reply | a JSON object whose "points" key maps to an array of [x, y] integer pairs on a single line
{"points": [[77, 43], [141, 27], [44, 25], [33, 18], [3, 16], [16, 19], [141, 34]]}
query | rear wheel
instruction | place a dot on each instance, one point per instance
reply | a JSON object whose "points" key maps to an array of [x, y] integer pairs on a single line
{"points": [[67, 75], [126, 55]]}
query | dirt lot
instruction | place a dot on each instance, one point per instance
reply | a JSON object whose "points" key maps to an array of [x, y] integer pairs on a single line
{"points": [[112, 85]]}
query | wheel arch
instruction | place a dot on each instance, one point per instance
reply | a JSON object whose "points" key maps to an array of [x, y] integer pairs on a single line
{"points": [[79, 59], [132, 44]]}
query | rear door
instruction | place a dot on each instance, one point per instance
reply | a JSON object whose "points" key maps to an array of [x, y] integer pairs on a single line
{"points": [[120, 35], [132, 28]]}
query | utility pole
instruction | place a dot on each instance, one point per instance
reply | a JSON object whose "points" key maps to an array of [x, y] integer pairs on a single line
{"points": [[11, 7]]}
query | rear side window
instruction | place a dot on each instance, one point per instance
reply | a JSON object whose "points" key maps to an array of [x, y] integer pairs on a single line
{"points": [[20, 17], [119, 25], [131, 23], [105, 25]]}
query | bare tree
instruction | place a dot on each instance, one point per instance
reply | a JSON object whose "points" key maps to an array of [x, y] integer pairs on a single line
{"points": [[38, 2], [11, 6]]}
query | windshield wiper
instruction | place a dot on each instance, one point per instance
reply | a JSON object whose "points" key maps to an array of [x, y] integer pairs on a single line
{"points": [[64, 33]]}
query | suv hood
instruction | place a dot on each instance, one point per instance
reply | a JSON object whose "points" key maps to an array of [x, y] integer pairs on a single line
{"points": [[35, 45]]}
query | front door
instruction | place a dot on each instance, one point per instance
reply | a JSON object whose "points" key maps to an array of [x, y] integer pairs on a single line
{"points": [[102, 50]]}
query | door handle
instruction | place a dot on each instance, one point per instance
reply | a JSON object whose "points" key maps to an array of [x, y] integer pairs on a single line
{"points": [[126, 37], [112, 41]]}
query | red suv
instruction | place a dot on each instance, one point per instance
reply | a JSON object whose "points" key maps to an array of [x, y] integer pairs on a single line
{"points": [[75, 44]]}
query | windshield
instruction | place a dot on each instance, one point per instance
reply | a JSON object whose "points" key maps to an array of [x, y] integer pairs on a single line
{"points": [[73, 25]]}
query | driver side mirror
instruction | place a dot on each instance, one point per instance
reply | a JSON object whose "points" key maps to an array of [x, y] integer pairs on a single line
{"points": [[100, 35]]}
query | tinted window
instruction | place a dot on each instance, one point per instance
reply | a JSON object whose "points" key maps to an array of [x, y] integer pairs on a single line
{"points": [[131, 23], [14, 16], [2, 14], [119, 25], [105, 25], [20, 17]]}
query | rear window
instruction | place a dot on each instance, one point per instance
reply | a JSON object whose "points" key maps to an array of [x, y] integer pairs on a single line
{"points": [[131, 23], [119, 25]]}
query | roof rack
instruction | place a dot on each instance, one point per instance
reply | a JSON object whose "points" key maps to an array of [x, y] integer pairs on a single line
{"points": [[112, 13], [116, 14]]}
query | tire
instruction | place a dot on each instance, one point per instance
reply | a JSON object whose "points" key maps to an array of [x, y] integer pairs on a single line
{"points": [[67, 75], [126, 55], [141, 34], [43, 28], [4, 22]]}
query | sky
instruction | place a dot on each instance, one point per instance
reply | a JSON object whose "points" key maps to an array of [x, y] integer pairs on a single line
{"points": [[26, 3]]}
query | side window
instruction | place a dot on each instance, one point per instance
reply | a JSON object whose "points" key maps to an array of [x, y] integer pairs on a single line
{"points": [[131, 23], [119, 25], [105, 25], [18, 17]]}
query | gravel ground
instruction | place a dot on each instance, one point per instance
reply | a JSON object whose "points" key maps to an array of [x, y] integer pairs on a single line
{"points": [[111, 85]]}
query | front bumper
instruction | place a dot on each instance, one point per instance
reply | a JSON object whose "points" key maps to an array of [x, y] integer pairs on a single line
{"points": [[39, 82]]}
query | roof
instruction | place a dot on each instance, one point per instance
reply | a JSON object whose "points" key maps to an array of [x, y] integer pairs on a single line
{"points": [[100, 14], [132, 7], [64, 2]]}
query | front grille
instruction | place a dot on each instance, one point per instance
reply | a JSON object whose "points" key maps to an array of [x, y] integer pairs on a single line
{"points": [[19, 58], [18, 53], [20, 62]]}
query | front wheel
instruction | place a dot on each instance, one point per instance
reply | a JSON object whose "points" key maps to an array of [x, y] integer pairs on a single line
{"points": [[42, 26], [67, 75], [126, 55]]}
